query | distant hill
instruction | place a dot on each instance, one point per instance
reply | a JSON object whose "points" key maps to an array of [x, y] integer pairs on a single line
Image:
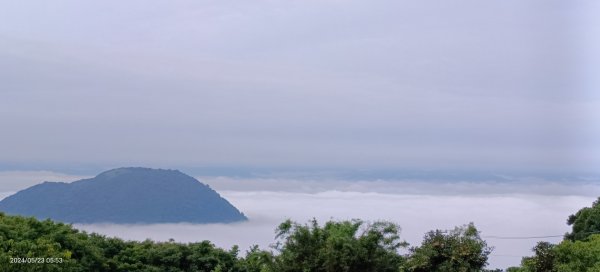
{"points": [[125, 195]]}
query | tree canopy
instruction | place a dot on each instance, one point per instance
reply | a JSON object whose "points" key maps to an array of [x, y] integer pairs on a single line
{"points": [[64, 248], [352, 246], [338, 247], [585, 222], [578, 252], [460, 250]]}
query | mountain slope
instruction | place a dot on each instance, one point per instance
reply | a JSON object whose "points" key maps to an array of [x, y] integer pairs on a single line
{"points": [[125, 195]]}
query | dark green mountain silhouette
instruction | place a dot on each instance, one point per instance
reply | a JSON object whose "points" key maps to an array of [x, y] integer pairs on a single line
{"points": [[125, 195]]}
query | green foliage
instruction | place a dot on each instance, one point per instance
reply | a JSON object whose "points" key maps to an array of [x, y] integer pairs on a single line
{"points": [[29, 238], [543, 260], [461, 249], [257, 261], [579, 251], [338, 246], [24, 238], [335, 246], [568, 256], [578, 256], [585, 222]]}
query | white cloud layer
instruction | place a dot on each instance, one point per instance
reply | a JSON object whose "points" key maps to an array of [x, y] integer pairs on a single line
{"points": [[385, 84], [506, 215], [520, 186], [518, 208]]}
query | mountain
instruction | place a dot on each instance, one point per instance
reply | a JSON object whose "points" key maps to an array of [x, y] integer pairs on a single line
{"points": [[125, 195]]}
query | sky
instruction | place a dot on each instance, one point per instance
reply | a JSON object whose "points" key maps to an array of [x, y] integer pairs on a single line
{"points": [[494, 85], [223, 89]]}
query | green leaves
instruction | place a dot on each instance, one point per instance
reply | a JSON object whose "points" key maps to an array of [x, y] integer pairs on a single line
{"points": [[578, 255], [585, 222], [22, 237], [543, 260], [338, 246], [461, 249], [578, 252]]}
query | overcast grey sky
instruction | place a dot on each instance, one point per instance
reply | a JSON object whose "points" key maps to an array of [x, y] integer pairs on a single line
{"points": [[328, 84]]}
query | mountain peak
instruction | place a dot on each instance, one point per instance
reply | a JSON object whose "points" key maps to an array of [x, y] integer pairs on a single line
{"points": [[136, 171], [125, 195]]}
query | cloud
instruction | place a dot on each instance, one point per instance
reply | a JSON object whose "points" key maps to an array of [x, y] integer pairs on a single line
{"points": [[438, 186], [299, 84], [494, 215], [514, 207]]}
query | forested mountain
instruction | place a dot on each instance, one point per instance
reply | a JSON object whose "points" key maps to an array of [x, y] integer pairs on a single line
{"points": [[125, 195]]}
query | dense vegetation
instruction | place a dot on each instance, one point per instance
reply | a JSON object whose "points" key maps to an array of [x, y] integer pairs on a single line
{"points": [[459, 250], [578, 252], [335, 246]]}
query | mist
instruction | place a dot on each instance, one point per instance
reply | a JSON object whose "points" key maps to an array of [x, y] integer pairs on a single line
{"points": [[526, 208], [305, 86], [333, 84], [513, 215]]}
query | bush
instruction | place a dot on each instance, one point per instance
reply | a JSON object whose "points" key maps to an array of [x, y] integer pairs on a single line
{"points": [[461, 249]]}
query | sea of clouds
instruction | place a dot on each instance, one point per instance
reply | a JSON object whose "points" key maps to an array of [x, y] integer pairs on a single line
{"points": [[522, 208]]}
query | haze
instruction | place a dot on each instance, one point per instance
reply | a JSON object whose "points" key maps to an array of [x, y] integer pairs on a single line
{"points": [[499, 85], [529, 208], [286, 104]]}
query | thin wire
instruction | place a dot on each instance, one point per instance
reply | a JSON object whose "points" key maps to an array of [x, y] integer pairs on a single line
{"points": [[530, 237], [521, 237], [505, 255]]}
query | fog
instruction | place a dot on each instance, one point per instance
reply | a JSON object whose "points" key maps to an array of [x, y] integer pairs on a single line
{"points": [[525, 208], [333, 84], [506, 86], [495, 215], [585, 186]]}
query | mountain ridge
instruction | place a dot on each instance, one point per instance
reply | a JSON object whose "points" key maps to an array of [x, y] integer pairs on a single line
{"points": [[126, 195]]}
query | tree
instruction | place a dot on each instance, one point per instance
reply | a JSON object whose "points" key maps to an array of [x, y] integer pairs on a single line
{"points": [[22, 237], [543, 260], [257, 260], [460, 250], [338, 247], [579, 251], [344, 246], [578, 256], [585, 222]]}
